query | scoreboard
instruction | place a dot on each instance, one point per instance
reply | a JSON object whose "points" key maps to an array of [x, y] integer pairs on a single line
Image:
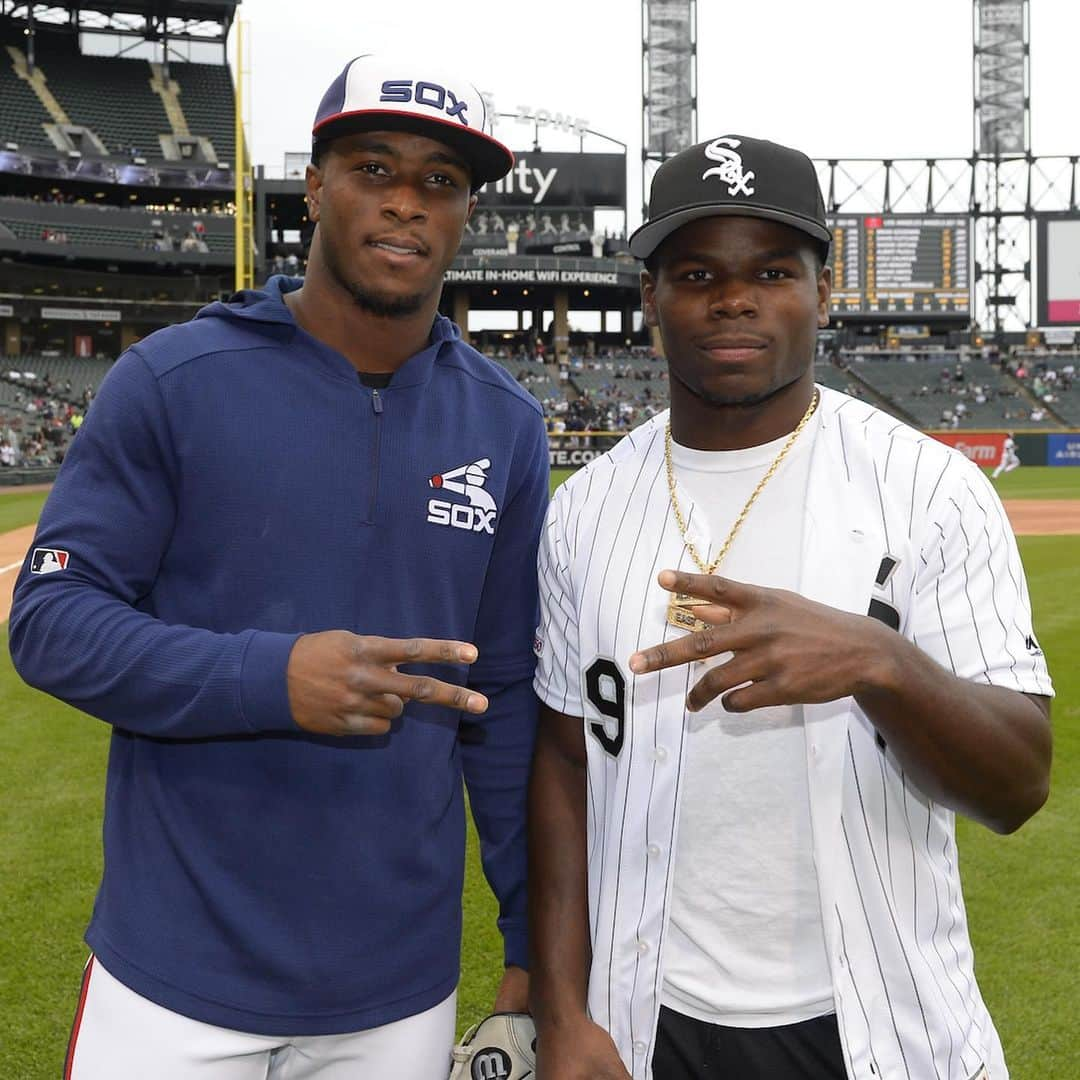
{"points": [[901, 265]]}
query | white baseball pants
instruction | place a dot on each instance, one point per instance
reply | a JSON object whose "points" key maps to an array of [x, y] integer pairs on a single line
{"points": [[119, 1035]]}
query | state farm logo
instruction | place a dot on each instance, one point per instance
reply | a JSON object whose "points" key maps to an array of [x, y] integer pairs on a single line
{"points": [[478, 514], [986, 453]]}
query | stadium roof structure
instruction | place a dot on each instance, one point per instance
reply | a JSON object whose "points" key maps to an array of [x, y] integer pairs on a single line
{"points": [[200, 20]]}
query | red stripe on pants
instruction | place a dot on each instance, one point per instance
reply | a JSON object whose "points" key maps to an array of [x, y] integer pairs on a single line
{"points": [[69, 1061]]}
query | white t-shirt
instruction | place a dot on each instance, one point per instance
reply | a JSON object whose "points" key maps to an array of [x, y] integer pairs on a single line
{"points": [[746, 945]]}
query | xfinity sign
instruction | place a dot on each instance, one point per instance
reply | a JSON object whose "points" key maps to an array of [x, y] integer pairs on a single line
{"points": [[527, 180], [542, 180]]}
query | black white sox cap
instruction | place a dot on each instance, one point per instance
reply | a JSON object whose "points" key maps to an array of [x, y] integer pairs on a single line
{"points": [[386, 93], [737, 176]]}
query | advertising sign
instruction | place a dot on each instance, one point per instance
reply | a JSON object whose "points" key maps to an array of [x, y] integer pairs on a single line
{"points": [[982, 447], [557, 180], [1063, 450]]}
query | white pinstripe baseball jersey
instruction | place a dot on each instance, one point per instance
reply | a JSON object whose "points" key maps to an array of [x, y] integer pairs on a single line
{"points": [[898, 526]]}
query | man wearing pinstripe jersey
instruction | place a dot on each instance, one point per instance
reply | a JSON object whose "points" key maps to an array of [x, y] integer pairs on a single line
{"points": [[742, 828]]}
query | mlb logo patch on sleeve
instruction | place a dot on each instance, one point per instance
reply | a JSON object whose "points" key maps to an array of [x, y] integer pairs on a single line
{"points": [[48, 560]]}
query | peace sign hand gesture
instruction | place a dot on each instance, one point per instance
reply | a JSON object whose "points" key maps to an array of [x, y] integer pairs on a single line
{"points": [[787, 650], [347, 684]]}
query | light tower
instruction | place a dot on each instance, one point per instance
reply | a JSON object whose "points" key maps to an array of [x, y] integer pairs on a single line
{"points": [[668, 83], [1002, 158]]}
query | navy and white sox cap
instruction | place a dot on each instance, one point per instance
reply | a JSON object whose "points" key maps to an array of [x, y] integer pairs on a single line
{"points": [[737, 176], [385, 93]]}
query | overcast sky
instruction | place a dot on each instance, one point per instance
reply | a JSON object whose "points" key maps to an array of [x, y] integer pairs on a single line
{"points": [[836, 78]]}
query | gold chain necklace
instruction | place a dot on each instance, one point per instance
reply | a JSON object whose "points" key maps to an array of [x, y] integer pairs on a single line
{"points": [[679, 612]]}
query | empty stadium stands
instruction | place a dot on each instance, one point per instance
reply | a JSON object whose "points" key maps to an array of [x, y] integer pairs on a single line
{"points": [[22, 117], [206, 96], [113, 98]]}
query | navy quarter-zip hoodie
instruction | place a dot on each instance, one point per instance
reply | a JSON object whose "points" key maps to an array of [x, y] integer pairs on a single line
{"points": [[234, 486]]}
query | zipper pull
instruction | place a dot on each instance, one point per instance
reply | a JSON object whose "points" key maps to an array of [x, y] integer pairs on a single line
{"points": [[376, 402]]}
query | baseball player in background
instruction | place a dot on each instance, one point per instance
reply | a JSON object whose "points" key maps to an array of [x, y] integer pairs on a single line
{"points": [[1010, 459], [292, 533], [784, 640]]}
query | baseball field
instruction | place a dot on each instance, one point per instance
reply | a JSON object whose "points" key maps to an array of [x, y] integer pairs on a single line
{"points": [[1021, 890]]}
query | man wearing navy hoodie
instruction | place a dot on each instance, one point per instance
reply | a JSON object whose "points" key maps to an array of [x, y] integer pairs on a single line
{"points": [[304, 631]]}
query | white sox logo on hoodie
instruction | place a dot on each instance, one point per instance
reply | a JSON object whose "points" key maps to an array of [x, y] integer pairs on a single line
{"points": [[478, 515]]}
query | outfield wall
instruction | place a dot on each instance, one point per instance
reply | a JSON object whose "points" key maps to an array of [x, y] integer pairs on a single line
{"points": [[1034, 448], [572, 451]]}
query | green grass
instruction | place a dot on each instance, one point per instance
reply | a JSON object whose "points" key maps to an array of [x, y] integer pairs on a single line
{"points": [[19, 508], [52, 763], [558, 476], [1020, 890], [1039, 482], [1027, 482]]}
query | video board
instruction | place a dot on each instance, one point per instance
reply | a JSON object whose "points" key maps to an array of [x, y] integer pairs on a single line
{"points": [[1058, 246], [901, 265]]}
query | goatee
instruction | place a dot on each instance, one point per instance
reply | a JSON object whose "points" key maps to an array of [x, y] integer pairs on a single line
{"points": [[383, 306]]}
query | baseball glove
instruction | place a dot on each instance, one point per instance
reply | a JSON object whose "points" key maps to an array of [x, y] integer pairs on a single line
{"points": [[501, 1047]]}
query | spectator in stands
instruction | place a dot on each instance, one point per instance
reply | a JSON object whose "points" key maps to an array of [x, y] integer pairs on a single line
{"points": [[7, 454]]}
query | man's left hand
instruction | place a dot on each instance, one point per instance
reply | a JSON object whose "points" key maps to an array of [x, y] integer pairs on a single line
{"points": [[787, 650], [513, 995]]}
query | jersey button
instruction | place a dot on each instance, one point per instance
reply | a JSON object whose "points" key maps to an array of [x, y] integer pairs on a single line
{"points": [[653, 850], [640, 1047], [642, 947], [660, 753]]}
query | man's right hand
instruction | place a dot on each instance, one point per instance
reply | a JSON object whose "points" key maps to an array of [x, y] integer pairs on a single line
{"points": [[347, 684], [578, 1051]]}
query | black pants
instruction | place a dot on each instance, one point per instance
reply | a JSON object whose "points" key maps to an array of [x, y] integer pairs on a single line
{"points": [[688, 1049]]}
